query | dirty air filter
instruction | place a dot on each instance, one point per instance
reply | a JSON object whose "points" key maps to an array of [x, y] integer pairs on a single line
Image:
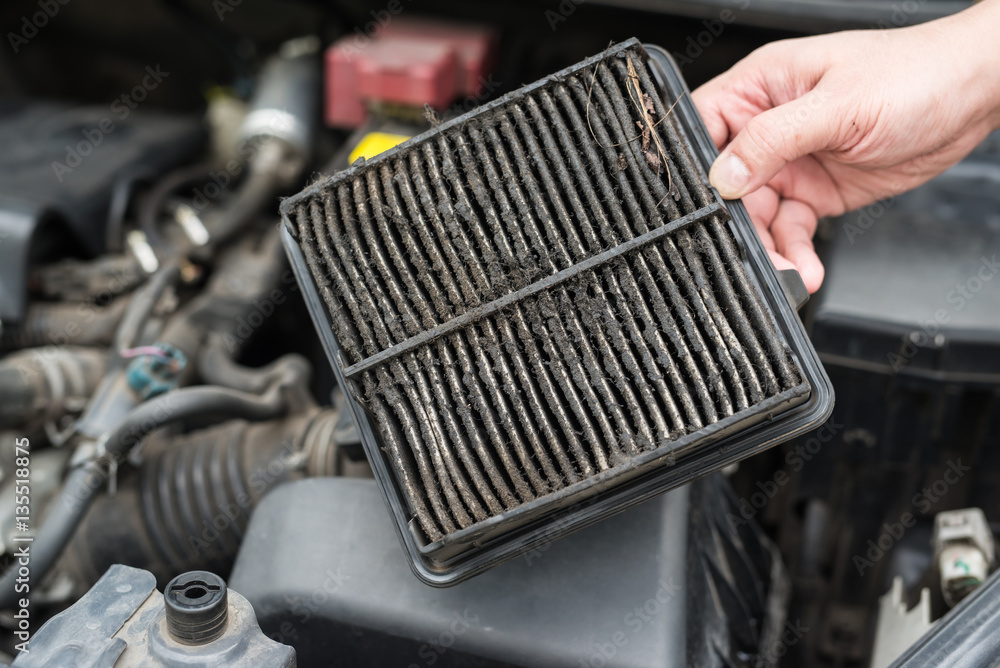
{"points": [[542, 314]]}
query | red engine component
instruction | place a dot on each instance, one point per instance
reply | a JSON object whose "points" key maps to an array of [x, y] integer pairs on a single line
{"points": [[409, 62]]}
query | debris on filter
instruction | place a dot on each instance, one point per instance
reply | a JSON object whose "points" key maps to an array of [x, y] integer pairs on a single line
{"points": [[644, 103], [431, 116]]}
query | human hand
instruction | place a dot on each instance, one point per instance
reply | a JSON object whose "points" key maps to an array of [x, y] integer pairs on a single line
{"points": [[820, 126]]}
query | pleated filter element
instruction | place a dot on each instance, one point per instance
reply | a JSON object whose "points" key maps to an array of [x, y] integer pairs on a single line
{"points": [[538, 305]]}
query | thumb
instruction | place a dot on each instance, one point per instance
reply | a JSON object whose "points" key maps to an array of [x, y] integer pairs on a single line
{"points": [[771, 140]]}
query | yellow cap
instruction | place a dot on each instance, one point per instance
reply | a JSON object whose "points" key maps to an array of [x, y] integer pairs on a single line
{"points": [[374, 143]]}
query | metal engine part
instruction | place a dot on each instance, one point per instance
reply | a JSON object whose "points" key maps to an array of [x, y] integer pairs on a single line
{"points": [[123, 622]]}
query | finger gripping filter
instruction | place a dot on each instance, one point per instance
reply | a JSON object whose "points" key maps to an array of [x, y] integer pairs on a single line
{"points": [[541, 313]]}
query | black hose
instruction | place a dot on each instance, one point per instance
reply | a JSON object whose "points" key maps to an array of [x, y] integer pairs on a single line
{"points": [[255, 193], [253, 196], [51, 324], [217, 367], [66, 513], [191, 402]]}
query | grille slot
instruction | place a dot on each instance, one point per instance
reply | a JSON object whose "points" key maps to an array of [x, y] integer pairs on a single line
{"points": [[525, 304]]}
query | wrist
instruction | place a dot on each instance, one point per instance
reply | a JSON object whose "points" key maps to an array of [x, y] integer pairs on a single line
{"points": [[973, 34]]}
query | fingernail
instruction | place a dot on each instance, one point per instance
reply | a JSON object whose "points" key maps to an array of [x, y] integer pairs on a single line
{"points": [[730, 176]]}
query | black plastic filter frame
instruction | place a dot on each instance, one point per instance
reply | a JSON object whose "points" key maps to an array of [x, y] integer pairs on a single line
{"points": [[469, 551]]}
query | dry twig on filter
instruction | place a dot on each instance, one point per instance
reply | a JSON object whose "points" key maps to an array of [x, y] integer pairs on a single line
{"points": [[644, 103]]}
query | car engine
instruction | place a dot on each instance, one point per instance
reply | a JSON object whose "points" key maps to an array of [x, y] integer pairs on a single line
{"points": [[411, 334]]}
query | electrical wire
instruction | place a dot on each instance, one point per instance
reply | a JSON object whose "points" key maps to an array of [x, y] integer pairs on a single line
{"points": [[153, 351]]}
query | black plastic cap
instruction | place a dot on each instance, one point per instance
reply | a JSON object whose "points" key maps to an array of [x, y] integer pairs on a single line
{"points": [[197, 607]]}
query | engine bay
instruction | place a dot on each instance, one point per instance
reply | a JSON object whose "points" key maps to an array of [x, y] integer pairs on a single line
{"points": [[308, 306]]}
